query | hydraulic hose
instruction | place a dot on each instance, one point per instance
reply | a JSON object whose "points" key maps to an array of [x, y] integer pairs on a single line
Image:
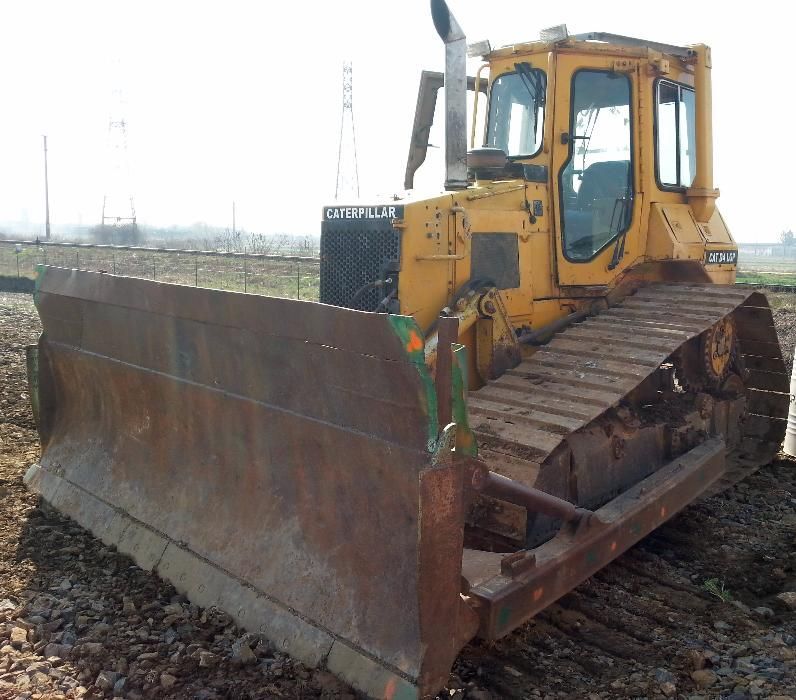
{"points": [[364, 289]]}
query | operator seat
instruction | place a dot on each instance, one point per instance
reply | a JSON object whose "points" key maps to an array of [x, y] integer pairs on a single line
{"points": [[606, 180], [602, 184]]}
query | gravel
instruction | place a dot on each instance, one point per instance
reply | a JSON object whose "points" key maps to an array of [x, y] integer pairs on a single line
{"points": [[784, 310], [703, 608]]}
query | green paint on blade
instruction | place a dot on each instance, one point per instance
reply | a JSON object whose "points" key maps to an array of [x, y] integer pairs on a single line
{"points": [[414, 345], [465, 439]]}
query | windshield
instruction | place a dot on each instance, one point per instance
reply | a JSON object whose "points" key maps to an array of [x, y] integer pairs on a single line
{"points": [[516, 111]]}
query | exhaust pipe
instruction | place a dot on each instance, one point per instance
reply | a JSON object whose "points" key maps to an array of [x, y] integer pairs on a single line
{"points": [[455, 95]]}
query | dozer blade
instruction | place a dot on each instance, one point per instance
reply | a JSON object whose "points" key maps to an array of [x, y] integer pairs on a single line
{"points": [[267, 456]]}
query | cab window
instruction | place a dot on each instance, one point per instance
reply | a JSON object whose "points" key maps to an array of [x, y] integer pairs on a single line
{"points": [[516, 111], [675, 133], [596, 182]]}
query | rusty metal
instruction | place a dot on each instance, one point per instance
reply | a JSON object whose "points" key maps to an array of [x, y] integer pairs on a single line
{"points": [[579, 375], [509, 594], [228, 442], [506, 489], [32, 367], [588, 371]]}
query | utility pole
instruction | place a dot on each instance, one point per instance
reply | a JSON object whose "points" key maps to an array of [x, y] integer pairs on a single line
{"points": [[118, 205], [347, 167], [233, 216], [46, 194]]}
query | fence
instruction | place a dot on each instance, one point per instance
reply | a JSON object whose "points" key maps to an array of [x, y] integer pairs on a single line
{"points": [[287, 276]]}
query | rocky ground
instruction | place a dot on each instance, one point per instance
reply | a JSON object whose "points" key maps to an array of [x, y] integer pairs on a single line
{"points": [[784, 310], [703, 608]]}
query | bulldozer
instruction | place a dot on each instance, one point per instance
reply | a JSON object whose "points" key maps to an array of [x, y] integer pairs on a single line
{"points": [[502, 388]]}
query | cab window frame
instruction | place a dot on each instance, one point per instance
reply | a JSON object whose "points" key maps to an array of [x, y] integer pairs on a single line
{"points": [[540, 126], [663, 187], [570, 155]]}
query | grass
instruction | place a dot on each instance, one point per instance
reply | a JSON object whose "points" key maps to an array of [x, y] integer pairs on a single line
{"points": [[716, 588], [763, 278]]}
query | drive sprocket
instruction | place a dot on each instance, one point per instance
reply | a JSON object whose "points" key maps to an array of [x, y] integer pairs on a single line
{"points": [[717, 346]]}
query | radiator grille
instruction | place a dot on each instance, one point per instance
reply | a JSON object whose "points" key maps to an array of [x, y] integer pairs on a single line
{"points": [[354, 253]]}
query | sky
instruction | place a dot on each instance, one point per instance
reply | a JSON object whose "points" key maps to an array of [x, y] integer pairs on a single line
{"points": [[241, 101]]}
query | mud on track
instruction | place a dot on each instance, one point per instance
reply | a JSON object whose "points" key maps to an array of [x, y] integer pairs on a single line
{"points": [[706, 595]]}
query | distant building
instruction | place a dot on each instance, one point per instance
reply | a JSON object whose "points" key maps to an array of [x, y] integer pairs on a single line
{"points": [[767, 250]]}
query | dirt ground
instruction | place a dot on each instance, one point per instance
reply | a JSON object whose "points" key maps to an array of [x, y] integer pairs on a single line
{"points": [[784, 310], [703, 608]]}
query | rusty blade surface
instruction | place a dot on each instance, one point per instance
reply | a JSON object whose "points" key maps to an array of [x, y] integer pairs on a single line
{"points": [[269, 456]]}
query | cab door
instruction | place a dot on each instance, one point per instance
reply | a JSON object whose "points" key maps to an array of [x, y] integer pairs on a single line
{"points": [[595, 168]]}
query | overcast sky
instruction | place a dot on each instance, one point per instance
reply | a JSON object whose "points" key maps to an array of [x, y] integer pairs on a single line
{"points": [[241, 100]]}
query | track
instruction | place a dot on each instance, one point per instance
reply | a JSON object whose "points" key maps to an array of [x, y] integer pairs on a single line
{"points": [[523, 417]]}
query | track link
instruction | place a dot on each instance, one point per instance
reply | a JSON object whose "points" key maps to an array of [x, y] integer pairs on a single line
{"points": [[522, 417]]}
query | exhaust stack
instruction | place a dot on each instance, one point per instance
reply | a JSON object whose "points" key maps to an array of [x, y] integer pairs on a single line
{"points": [[455, 95]]}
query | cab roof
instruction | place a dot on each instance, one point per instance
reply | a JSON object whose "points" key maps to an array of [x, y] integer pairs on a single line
{"points": [[598, 42]]}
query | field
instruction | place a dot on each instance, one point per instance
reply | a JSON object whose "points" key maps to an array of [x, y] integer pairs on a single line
{"points": [[292, 277], [703, 608], [759, 269]]}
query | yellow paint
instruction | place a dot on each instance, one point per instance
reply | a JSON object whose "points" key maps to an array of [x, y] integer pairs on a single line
{"points": [[670, 229]]}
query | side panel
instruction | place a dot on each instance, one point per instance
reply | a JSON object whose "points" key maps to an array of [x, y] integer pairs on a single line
{"points": [[501, 214], [427, 249]]}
